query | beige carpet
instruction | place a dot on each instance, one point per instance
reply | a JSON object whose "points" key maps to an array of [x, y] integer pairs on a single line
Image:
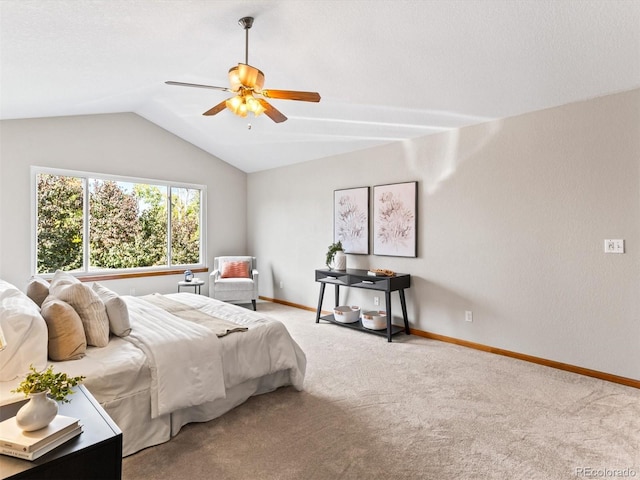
{"points": [[412, 409]]}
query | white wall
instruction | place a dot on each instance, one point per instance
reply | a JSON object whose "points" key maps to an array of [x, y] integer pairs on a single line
{"points": [[512, 216], [120, 144]]}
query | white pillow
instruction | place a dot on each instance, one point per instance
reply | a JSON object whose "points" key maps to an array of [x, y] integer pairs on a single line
{"points": [[117, 310], [25, 332], [90, 308]]}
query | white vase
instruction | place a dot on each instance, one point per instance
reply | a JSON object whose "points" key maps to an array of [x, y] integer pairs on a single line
{"points": [[37, 413], [339, 261]]}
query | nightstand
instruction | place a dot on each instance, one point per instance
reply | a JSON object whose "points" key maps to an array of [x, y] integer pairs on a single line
{"points": [[94, 454]]}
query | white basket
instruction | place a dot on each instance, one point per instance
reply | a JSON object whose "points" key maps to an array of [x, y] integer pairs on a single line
{"points": [[346, 314], [374, 320]]}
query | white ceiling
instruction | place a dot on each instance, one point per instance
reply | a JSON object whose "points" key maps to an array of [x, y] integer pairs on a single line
{"points": [[387, 70]]}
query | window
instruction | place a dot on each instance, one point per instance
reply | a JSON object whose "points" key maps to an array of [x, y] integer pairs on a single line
{"points": [[97, 223]]}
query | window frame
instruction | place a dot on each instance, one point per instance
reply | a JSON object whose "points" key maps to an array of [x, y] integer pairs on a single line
{"points": [[111, 273]]}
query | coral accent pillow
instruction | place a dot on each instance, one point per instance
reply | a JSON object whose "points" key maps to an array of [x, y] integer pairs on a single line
{"points": [[66, 333], [235, 270], [38, 290], [91, 309], [117, 310]]}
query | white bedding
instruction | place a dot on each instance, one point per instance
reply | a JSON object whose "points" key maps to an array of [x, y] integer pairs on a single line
{"points": [[184, 357], [245, 354], [175, 366], [112, 373], [116, 371], [120, 376]]}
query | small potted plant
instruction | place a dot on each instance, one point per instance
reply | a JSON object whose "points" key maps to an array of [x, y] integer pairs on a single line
{"points": [[336, 258], [44, 389]]}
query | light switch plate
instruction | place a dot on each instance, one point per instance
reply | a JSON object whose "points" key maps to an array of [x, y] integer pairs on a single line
{"points": [[614, 246]]}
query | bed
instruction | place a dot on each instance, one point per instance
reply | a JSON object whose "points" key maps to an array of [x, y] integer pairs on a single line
{"points": [[170, 371]]}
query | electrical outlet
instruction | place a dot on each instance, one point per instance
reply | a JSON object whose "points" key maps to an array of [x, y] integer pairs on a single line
{"points": [[376, 301], [281, 284], [132, 291], [614, 246], [468, 316]]}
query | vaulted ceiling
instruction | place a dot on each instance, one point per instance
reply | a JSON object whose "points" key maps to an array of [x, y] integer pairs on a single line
{"points": [[387, 70]]}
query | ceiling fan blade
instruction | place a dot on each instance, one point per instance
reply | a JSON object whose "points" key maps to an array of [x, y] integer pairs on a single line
{"points": [[217, 109], [182, 84], [272, 112], [292, 95], [249, 76]]}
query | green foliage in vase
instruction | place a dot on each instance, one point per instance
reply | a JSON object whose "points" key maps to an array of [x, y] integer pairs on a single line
{"points": [[58, 385], [331, 253]]}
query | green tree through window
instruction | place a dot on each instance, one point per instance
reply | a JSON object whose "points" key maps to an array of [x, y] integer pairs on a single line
{"points": [[59, 226], [127, 224], [185, 227]]}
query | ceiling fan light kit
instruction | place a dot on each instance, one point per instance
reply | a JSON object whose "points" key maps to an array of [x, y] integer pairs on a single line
{"points": [[247, 81], [243, 104]]}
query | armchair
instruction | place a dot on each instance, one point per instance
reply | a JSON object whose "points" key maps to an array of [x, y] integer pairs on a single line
{"points": [[234, 279]]}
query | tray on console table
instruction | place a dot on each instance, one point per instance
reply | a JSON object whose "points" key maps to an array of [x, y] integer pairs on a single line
{"points": [[357, 278]]}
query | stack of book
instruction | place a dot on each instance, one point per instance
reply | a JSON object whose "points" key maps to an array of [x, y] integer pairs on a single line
{"points": [[32, 445]]}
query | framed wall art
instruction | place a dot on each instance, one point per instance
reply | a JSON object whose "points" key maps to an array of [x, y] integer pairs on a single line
{"points": [[395, 219], [351, 219]]}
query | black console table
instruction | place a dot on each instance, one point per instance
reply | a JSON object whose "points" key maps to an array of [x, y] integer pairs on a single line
{"points": [[94, 454], [360, 279]]}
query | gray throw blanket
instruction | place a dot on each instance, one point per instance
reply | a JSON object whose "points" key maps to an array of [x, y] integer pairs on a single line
{"points": [[218, 325]]}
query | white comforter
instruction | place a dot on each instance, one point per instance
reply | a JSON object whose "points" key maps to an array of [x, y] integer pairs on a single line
{"points": [[267, 347], [184, 358], [190, 365]]}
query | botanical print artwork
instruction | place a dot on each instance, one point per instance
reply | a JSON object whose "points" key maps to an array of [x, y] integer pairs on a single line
{"points": [[395, 219], [351, 219]]}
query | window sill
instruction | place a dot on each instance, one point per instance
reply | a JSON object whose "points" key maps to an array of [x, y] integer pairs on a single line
{"points": [[122, 276]]}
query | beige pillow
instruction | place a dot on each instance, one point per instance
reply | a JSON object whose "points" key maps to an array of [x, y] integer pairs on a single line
{"points": [[61, 278], [117, 310], [66, 333], [38, 290], [91, 309]]}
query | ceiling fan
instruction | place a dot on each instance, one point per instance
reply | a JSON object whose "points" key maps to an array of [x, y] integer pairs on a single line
{"points": [[246, 82]]}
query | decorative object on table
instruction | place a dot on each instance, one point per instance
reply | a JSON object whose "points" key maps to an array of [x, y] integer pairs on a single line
{"points": [[16, 442], [351, 219], [188, 276], [44, 389], [346, 314], [380, 272], [336, 259], [45, 449], [395, 219], [374, 320]]}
